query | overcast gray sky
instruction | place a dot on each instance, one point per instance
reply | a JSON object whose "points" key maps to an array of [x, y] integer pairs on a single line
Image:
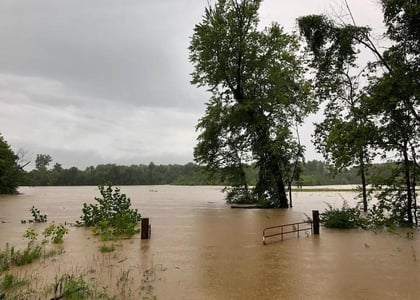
{"points": [[105, 81]]}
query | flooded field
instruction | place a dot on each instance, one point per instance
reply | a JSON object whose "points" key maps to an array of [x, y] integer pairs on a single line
{"points": [[202, 249]]}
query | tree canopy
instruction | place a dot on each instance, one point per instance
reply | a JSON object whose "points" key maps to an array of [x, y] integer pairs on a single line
{"points": [[10, 172], [259, 95], [380, 112]]}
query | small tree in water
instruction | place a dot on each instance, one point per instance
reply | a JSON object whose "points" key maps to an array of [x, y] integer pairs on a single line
{"points": [[112, 215]]}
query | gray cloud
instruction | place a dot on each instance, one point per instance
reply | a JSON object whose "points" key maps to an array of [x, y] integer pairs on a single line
{"points": [[130, 51], [103, 81]]}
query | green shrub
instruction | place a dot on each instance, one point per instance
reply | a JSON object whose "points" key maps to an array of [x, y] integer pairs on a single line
{"points": [[31, 235], [16, 257], [37, 216], [345, 217], [106, 249], [112, 215], [5, 259], [27, 256], [239, 195], [34, 250], [55, 232]]}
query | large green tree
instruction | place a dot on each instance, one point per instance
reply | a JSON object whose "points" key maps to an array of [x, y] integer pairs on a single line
{"points": [[10, 171], [385, 116], [395, 101], [259, 95], [345, 135]]}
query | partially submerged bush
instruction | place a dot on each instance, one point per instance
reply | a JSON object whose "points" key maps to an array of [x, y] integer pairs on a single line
{"points": [[33, 250], [346, 217], [238, 195], [37, 217], [55, 233], [14, 257], [112, 215]]}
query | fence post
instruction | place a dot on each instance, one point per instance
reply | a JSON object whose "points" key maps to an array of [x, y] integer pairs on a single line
{"points": [[315, 220], [145, 229]]}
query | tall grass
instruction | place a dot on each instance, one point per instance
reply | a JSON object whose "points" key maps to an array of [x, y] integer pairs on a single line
{"points": [[17, 257], [106, 278]]}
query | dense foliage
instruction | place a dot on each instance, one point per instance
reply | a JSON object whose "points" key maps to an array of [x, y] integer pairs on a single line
{"points": [[112, 215], [259, 96], [344, 218], [372, 110], [10, 171]]}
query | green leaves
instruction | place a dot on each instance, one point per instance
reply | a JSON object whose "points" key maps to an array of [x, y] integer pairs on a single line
{"points": [[112, 215], [258, 95], [332, 45], [380, 115], [37, 216], [10, 172], [344, 218], [55, 233]]}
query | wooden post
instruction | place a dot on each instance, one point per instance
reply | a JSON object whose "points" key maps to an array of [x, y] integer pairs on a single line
{"points": [[315, 221], [145, 229]]}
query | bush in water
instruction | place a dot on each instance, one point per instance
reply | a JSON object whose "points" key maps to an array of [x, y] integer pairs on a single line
{"points": [[112, 215], [345, 217]]}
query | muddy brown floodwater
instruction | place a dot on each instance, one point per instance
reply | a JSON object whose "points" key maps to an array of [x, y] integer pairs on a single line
{"points": [[202, 249]]}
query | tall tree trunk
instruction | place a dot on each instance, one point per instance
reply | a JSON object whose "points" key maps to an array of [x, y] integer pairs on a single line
{"points": [[364, 190], [243, 179], [362, 169], [282, 201], [408, 184], [281, 191], [414, 183]]}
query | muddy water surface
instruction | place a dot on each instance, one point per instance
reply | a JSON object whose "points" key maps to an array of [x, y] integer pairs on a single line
{"points": [[202, 249]]}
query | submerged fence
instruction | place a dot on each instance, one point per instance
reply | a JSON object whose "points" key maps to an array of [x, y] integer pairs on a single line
{"points": [[281, 230]]}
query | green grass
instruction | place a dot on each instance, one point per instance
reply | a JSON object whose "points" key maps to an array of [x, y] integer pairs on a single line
{"points": [[106, 248], [12, 257], [11, 282]]}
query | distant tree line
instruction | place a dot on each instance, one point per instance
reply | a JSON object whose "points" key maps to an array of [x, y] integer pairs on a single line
{"points": [[12, 174], [141, 174], [313, 173]]}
